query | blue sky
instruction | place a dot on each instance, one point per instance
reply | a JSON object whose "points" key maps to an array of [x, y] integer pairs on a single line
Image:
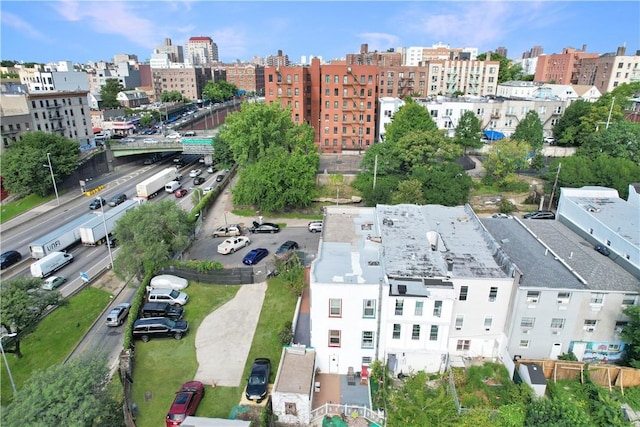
{"points": [[81, 31]]}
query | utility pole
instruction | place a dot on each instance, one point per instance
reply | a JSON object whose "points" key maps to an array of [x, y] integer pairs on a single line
{"points": [[553, 191], [610, 111], [375, 171]]}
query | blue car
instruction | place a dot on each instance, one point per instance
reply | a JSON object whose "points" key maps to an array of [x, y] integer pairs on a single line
{"points": [[254, 256]]}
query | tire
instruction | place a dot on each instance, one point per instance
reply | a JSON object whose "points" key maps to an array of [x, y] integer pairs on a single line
{"points": [[273, 231], [144, 338], [178, 336], [233, 250]]}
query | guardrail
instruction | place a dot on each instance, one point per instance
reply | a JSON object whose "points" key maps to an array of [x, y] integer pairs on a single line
{"points": [[348, 411]]}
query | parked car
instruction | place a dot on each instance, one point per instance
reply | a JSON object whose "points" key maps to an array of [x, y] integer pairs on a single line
{"points": [[180, 193], [286, 249], [152, 327], [501, 215], [258, 382], [117, 199], [540, 215], [254, 256], [195, 172], [53, 282], [198, 180], [232, 244], [162, 309], [168, 295], [602, 249], [265, 227], [8, 258], [227, 231], [315, 226], [168, 281], [117, 314], [97, 203], [185, 403]]}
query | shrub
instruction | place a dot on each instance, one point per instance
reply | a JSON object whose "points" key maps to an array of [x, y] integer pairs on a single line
{"points": [[285, 334]]}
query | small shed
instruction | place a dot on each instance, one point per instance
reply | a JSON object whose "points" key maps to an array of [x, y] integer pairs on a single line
{"points": [[532, 374], [293, 388]]}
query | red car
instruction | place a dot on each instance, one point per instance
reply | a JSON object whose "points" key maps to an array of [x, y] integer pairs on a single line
{"points": [[185, 403], [180, 193]]}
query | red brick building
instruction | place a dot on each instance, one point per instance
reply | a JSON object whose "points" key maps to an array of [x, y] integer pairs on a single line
{"points": [[561, 68]]}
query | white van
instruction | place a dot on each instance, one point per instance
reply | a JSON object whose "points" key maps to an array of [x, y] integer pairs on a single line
{"points": [[168, 281], [52, 262], [168, 295], [172, 186]]}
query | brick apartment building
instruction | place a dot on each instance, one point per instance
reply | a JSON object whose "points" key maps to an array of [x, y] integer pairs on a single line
{"points": [[247, 77], [561, 68], [608, 71], [188, 81]]}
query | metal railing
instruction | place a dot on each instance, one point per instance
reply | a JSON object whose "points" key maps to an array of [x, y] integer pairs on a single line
{"points": [[348, 411]]}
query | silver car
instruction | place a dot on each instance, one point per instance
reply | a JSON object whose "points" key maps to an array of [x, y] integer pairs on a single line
{"points": [[117, 315]]}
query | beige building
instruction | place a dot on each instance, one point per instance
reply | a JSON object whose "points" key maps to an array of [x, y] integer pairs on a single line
{"points": [[247, 77], [610, 70], [188, 81], [200, 51]]}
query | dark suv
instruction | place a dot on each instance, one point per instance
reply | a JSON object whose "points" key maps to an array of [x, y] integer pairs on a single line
{"points": [[258, 381], [162, 309], [7, 259], [117, 199], [152, 327]]}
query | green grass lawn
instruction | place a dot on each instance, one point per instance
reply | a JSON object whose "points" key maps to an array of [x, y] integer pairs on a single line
{"points": [[54, 338], [163, 365], [11, 210]]}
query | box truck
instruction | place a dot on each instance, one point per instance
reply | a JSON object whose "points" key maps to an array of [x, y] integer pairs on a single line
{"points": [[150, 187], [59, 239], [95, 232], [51, 263], [172, 186]]}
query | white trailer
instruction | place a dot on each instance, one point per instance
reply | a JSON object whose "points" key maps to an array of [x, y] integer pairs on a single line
{"points": [[52, 262], [60, 238], [95, 231], [150, 187]]}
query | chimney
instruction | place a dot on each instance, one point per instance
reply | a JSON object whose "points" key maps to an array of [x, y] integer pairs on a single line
{"points": [[449, 264], [584, 47], [364, 48], [621, 51], [279, 52]]}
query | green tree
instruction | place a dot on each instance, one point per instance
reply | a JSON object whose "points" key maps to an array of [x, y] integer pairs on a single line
{"points": [[7, 63], [444, 184], [381, 193], [505, 73], [409, 192], [171, 96], [219, 91], [631, 336], [25, 165], [409, 118], [222, 154], [529, 130], [146, 120], [567, 129], [70, 394], [426, 147], [504, 158], [109, 93], [620, 140], [23, 302], [468, 131], [150, 235]]}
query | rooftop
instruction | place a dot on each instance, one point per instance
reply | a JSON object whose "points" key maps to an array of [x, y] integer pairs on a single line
{"points": [[295, 374]]}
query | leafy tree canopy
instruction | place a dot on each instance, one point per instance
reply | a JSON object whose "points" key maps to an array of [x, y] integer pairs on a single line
{"points": [[146, 120], [70, 394], [222, 154], [468, 131], [109, 93], [409, 118], [426, 147], [566, 130], [171, 96], [25, 166], [409, 192], [507, 71], [23, 302], [620, 140], [631, 335], [444, 184], [7, 63], [504, 158], [529, 130], [219, 91], [150, 235]]}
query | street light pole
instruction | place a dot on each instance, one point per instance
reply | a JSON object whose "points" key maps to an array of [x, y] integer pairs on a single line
{"points": [[106, 234], [53, 178], [6, 362]]}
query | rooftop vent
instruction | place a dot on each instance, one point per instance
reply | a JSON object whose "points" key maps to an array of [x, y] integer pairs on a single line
{"points": [[387, 221], [432, 237], [374, 262], [402, 289], [592, 209]]}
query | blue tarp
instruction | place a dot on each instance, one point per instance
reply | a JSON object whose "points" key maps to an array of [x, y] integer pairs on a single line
{"points": [[493, 135]]}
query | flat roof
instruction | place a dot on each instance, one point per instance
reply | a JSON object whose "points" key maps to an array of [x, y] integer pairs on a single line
{"points": [[550, 255], [295, 374]]}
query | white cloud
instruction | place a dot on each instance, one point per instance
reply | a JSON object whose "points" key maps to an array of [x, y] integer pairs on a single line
{"points": [[379, 41], [23, 27]]}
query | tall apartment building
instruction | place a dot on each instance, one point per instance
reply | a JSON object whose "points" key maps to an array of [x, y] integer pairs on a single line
{"points": [[561, 68], [382, 59], [174, 53], [534, 52], [247, 77], [418, 55], [188, 81], [501, 50], [200, 50], [59, 76], [608, 71], [279, 60], [125, 57], [466, 77]]}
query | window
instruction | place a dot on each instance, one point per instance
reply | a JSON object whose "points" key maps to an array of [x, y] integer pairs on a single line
{"points": [[335, 307], [290, 408], [493, 293], [557, 323], [564, 297], [367, 339], [524, 343], [437, 309], [418, 310], [369, 309], [533, 297], [620, 324], [629, 299], [396, 331], [597, 298], [463, 293], [527, 322], [488, 321], [334, 338], [459, 321], [463, 345], [415, 332], [590, 325], [399, 307], [366, 360], [433, 335]]}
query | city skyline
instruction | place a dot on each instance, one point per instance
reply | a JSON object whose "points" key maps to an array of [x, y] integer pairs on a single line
{"points": [[36, 31]]}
